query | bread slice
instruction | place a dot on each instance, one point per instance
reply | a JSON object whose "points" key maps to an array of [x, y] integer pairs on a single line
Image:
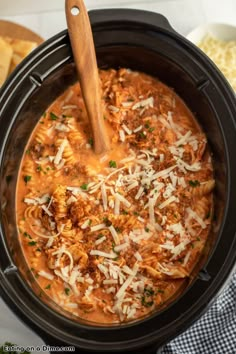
{"points": [[21, 48], [6, 53]]}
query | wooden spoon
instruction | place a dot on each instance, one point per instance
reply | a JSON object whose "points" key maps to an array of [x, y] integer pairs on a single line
{"points": [[81, 39]]}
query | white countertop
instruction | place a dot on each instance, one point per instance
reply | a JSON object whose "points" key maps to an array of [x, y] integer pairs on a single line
{"points": [[46, 17]]}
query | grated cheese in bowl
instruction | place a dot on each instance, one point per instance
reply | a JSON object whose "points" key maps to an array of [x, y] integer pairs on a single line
{"points": [[223, 54]]}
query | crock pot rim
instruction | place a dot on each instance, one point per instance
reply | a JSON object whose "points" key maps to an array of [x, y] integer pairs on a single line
{"points": [[56, 39]]}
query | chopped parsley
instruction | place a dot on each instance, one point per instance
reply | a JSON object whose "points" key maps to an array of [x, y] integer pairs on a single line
{"points": [[27, 179], [107, 222], [32, 243], [147, 299], [149, 291], [124, 212], [90, 141], [84, 186], [53, 116], [112, 164], [194, 183], [39, 168], [118, 229], [25, 234], [151, 129], [142, 135], [67, 291], [113, 249], [48, 287]]}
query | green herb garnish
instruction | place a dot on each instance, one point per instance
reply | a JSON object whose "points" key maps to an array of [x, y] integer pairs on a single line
{"points": [[124, 212], [25, 234], [48, 287], [84, 186], [142, 135], [32, 243], [67, 291], [27, 179], [147, 299], [194, 183], [148, 291], [107, 222], [39, 168], [90, 141], [53, 116], [118, 229], [146, 303], [112, 164]]}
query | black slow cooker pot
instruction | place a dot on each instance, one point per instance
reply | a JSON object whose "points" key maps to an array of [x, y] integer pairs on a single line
{"points": [[141, 41]]}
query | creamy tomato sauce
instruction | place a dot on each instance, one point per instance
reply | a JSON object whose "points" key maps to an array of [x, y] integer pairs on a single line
{"points": [[111, 238]]}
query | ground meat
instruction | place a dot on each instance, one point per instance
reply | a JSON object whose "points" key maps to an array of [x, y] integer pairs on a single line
{"points": [[36, 150]]}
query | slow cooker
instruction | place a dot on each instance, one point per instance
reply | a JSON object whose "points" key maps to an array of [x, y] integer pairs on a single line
{"points": [[146, 42]]}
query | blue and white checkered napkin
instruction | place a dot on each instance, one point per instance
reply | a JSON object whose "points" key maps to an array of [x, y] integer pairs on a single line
{"points": [[215, 332]]}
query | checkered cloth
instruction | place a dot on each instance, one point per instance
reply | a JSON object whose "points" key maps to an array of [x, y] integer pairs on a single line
{"points": [[214, 333]]}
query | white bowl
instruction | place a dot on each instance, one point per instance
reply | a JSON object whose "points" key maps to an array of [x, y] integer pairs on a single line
{"points": [[221, 31]]}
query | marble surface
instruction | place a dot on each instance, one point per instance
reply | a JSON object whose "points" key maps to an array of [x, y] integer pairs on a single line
{"points": [[47, 18]]}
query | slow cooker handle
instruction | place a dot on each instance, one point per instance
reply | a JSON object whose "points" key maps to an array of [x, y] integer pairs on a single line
{"points": [[141, 17]]}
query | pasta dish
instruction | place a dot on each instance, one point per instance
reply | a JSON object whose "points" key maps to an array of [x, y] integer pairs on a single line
{"points": [[111, 238]]}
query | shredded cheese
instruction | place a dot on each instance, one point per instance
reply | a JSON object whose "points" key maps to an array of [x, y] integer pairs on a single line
{"points": [[127, 283], [103, 254], [60, 151], [114, 234], [167, 202], [46, 275], [195, 216]]}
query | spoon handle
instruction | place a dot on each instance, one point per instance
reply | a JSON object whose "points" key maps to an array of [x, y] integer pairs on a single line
{"points": [[81, 39]]}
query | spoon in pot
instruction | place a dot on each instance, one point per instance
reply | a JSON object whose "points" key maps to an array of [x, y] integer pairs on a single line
{"points": [[82, 44]]}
